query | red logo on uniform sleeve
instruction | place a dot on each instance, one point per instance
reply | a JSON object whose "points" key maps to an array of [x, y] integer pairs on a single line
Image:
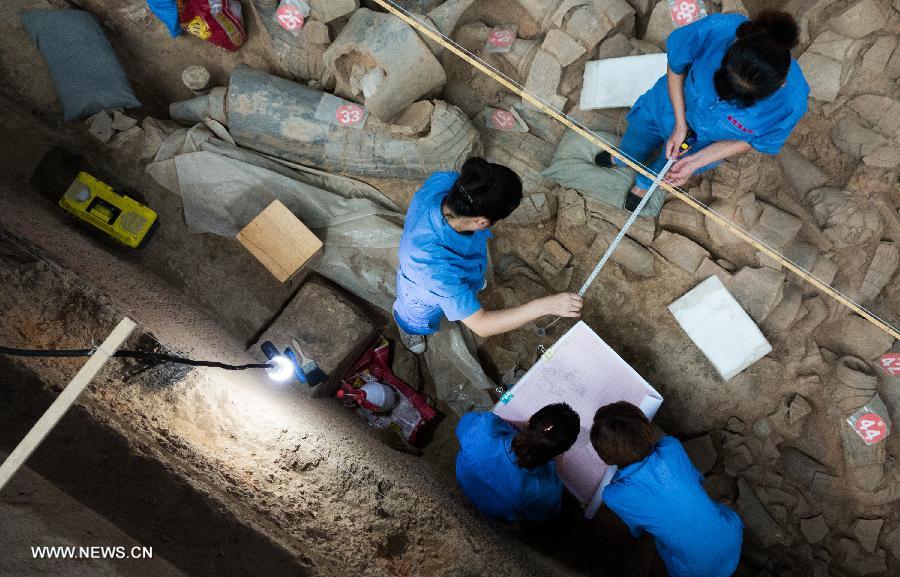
{"points": [[737, 124]]}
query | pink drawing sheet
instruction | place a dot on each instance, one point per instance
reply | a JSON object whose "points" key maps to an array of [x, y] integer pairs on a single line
{"points": [[583, 371]]}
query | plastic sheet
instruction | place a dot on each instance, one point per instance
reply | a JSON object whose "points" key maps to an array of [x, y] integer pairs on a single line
{"points": [[223, 187]]}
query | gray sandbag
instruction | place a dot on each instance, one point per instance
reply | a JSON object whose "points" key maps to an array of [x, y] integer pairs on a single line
{"points": [[573, 167], [84, 66]]}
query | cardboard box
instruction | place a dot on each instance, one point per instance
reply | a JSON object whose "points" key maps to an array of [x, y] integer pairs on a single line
{"points": [[280, 241]]}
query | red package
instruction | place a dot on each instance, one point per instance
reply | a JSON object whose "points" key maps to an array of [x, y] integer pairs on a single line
{"points": [[218, 21]]}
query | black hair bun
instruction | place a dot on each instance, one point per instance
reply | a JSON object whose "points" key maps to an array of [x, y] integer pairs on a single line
{"points": [[780, 27]]}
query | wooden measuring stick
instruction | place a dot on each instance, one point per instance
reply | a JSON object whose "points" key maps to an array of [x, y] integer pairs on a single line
{"points": [[721, 221], [65, 400]]}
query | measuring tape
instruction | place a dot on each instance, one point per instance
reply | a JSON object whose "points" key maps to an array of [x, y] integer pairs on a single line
{"points": [[435, 35]]}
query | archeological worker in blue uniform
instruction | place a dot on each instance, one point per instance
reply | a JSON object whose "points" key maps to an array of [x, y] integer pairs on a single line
{"points": [[443, 255], [659, 491], [510, 474], [732, 81]]}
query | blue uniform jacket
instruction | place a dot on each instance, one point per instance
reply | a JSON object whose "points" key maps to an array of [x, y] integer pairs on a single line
{"points": [[664, 496], [697, 49], [441, 270], [487, 472]]}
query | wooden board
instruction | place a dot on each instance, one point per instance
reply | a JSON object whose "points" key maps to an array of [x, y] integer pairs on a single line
{"points": [[279, 241], [65, 400]]}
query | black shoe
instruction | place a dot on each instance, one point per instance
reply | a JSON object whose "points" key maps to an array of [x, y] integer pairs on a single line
{"points": [[632, 201], [603, 160]]}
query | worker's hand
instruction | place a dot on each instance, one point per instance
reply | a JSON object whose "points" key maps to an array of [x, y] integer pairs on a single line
{"points": [[681, 171], [673, 145], [563, 305]]}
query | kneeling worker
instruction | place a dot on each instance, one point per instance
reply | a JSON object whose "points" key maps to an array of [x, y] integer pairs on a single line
{"points": [[443, 255], [510, 474], [658, 490]]}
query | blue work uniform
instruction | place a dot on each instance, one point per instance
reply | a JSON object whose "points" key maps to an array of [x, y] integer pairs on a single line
{"points": [[441, 270], [487, 472], [697, 50], [664, 496]]}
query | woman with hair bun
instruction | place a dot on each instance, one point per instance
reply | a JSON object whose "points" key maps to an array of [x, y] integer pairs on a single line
{"points": [[443, 256], [732, 81]]}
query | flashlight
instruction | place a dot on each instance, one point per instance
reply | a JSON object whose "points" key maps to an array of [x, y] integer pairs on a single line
{"points": [[280, 368]]}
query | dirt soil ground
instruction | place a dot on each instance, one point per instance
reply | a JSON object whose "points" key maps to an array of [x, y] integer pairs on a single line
{"points": [[222, 474]]}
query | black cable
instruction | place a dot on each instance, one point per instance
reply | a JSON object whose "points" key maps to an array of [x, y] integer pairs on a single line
{"points": [[129, 355]]}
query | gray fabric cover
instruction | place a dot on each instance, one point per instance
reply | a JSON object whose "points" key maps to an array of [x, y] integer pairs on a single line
{"points": [[573, 167], [84, 67]]}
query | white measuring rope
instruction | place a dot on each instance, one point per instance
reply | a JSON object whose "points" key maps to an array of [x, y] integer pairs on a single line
{"points": [[524, 90]]}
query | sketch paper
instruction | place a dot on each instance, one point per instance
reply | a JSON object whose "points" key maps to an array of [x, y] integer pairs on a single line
{"points": [[583, 371]]}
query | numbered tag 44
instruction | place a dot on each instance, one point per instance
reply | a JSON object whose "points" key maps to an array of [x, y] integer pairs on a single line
{"points": [[501, 38], [341, 112], [686, 11], [869, 425]]}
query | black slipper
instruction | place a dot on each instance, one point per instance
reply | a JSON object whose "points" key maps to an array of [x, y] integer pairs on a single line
{"points": [[632, 201], [603, 160]]}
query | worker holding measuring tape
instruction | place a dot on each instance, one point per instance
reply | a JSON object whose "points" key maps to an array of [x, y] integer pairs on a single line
{"points": [[732, 81], [443, 256]]}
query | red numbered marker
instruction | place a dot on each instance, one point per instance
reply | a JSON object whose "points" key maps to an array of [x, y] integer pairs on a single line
{"points": [[289, 17], [503, 120], [890, 363], [501, 38], [871, 428], [349, 114], [685, 12]]}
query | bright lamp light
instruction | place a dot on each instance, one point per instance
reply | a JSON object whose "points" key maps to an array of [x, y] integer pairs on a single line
{"points": [[280, 368]]}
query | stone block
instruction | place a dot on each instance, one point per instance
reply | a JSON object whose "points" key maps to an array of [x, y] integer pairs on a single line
{"points": [[372, 41], [802, 174], [758, 290], [802, 254], [854, 336], [776, 227], [823, 74], [836, 46], [614, 16], [876, 58], [702, 452], [881, 270], [544, 75], [859, 20], [717, 324], [866, 532], [415, 120], [709, 268], [642, 230], [523, 152], [100, 126], [680, 251], [316, 32], [756, 519], [565, 48], [629, 254], [881, 112], [858, 561], [854, 137], [328, 10], [785, 312], [327, 325], [814, 529], [677, 216], [554, 257], [893, 542], [660, 25], [122, 122]]}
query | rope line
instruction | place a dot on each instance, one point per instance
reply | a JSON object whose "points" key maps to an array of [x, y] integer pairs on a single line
{"points": [[638, 166]]}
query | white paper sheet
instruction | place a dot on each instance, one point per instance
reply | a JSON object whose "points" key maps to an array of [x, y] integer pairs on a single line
{"points": [[619, 82], [720, 328]]}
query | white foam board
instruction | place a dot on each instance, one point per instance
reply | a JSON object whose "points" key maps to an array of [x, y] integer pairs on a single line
{"points": [[720, 328], [619, 82]]}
